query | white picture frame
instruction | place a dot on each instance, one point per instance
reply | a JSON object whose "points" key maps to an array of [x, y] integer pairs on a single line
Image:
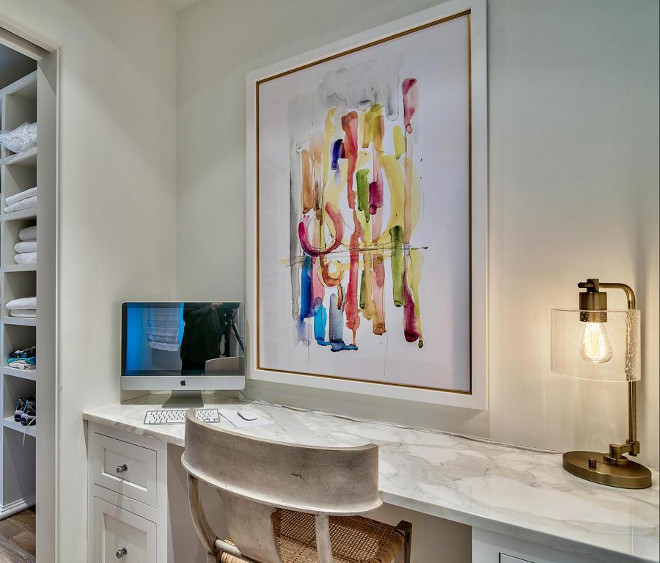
{"points": [[477, 397]]}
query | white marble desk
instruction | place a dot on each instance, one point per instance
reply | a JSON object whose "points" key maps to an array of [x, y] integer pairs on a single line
{"points": [[503, 489]]}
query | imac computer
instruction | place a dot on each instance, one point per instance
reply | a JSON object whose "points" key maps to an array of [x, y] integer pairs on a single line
{"points": [[183, 347]]}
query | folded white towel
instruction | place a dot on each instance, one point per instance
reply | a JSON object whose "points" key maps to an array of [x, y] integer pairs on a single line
{"points": [[12, 199], [22, 303], [26, 246], [24, 313], [28, 233], [26, 258], [27, 203]]}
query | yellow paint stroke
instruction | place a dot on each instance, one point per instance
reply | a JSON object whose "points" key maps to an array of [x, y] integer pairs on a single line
{"points": [[316, 149], [307, 192], [373, 127], [395, 180], [399, 141], [369, 310], [336, 184], [394, 176], [333, 191], [363, 160]]}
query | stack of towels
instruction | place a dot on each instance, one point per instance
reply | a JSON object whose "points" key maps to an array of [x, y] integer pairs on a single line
{"points": [[24, 307], [23, 359], [26, 249], [26, 199]]}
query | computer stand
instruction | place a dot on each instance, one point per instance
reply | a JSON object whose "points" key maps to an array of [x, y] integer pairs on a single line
{"points": [[184, 400]]}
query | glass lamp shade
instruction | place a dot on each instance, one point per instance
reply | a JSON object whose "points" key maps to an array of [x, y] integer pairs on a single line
{"points": [[605, 350]]}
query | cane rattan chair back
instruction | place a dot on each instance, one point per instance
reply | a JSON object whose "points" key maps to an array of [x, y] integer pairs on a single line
{"points": [[270, 487]]}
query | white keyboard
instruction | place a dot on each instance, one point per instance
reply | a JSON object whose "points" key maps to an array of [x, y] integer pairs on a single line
{"points": [[178, 416]]}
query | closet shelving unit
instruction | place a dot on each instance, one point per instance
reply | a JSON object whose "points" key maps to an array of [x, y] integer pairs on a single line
{"points": [[18, 172]]}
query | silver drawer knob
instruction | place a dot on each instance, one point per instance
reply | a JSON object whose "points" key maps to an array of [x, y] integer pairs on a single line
{"points": [[121, 552], [121, 469]]}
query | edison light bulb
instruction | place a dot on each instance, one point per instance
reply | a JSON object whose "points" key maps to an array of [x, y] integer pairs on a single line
{"points": [[596, 347]]}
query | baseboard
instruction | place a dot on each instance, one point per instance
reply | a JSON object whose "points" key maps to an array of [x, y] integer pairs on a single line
{"points": [[7, 510]]}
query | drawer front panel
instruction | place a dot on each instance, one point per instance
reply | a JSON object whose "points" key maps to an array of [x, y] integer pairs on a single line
{"points": [[125, 468], [120, 535]]}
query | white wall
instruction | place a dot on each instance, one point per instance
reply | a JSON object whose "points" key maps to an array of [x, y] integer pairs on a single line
{"points": [[117, 201], [573, 190]]}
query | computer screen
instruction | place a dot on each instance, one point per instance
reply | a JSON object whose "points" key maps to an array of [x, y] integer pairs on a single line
{"points": [[181, 340]]}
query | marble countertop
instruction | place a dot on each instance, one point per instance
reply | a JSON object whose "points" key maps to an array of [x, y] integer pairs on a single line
{"points": [[501, 488]]}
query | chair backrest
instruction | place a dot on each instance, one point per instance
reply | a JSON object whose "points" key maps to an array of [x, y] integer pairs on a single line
{"points": [[255, 476]]}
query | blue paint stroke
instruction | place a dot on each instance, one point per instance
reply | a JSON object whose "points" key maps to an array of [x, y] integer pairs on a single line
{"points": [[305, 297], [320, 321], [336, 153], [336, 332]]}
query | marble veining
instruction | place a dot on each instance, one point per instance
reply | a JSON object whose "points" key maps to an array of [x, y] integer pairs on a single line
{"points": [[506, 489]]}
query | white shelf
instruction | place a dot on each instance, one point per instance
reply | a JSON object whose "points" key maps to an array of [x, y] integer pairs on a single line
{"points": [[29, 374], [19, 268], [9, 422], [22, 214], [18, 172], [25, 87], [18, 321], [26, 158]]}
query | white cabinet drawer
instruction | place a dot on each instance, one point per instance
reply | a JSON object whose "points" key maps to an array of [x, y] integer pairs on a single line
{"points": [[125, 468], [121, 536], [490, 547]]}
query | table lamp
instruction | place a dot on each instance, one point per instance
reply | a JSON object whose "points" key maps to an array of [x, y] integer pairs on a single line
{"points": [[600, 344]]}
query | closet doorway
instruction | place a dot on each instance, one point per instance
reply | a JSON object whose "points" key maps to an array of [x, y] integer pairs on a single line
{"points": [[28, 266]]}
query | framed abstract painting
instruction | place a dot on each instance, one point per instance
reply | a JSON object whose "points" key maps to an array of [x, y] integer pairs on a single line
{"points": [[367, 212]]}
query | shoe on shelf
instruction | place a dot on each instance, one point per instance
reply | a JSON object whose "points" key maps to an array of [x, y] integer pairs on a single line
{"points": [[20, 408], [29, 415]]}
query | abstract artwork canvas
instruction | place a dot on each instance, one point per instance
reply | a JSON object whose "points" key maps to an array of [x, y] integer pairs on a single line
{"points": [[363, 212]]}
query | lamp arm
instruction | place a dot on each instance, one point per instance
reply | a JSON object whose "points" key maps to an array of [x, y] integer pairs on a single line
{"points": [[630, 294], [632, 445]]}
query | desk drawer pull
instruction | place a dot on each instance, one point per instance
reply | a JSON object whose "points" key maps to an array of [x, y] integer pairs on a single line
{"points": [[121, 469], [121, 552]]}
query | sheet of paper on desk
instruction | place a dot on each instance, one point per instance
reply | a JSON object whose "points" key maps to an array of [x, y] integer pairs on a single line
{"points": [[232, 416]]}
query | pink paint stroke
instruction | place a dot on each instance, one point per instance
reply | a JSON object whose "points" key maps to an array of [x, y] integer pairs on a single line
{"points": [[410, 101]]}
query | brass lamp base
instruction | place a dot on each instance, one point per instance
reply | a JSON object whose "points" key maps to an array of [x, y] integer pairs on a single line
{"points": [[593, 467]]}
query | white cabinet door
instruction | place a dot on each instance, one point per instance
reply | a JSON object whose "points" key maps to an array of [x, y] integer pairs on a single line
{"points": [[121, 536]]}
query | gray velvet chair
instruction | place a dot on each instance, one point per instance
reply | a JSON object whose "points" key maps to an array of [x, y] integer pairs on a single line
{"points": [[286, 503]]}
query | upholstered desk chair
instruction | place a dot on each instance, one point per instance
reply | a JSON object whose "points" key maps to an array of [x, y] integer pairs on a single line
{"points": [[285, 503]]}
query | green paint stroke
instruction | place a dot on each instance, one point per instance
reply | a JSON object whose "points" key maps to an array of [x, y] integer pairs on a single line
{"points": [[396, 237], [363, 290], [362, 176]]}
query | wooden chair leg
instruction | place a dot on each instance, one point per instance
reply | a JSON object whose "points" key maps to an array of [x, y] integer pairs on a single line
{"points": [[406, 530]]}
